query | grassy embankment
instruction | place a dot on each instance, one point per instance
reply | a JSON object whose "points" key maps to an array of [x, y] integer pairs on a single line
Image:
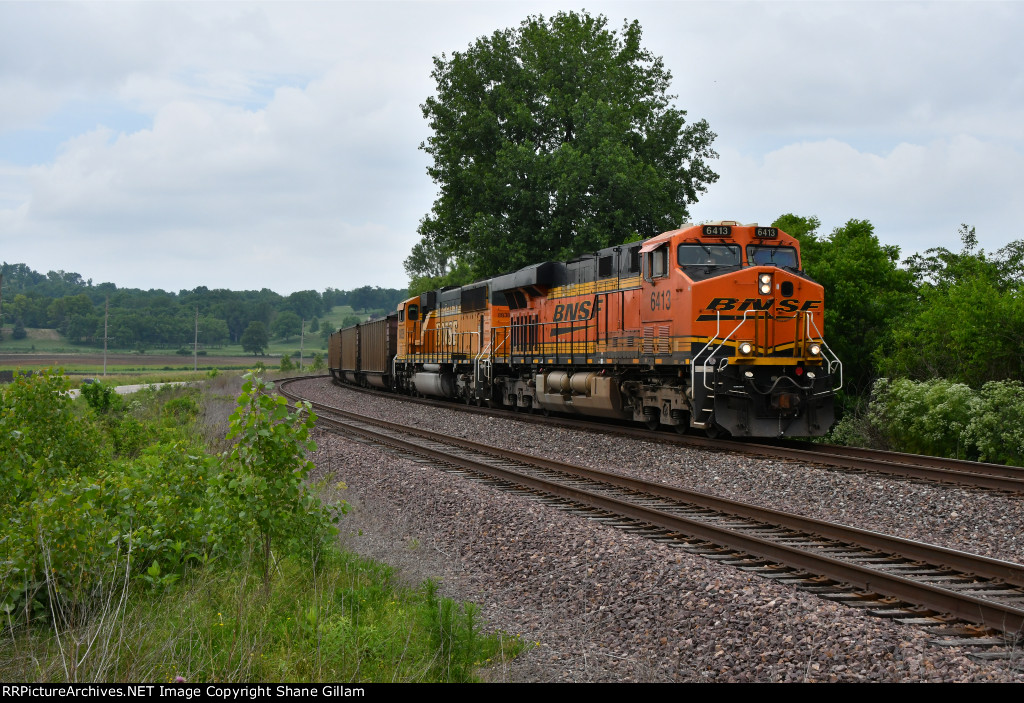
{"points": [[140, 541]]}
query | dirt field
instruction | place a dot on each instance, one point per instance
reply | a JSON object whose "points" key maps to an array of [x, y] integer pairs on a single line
{"points": [[44, 359]]}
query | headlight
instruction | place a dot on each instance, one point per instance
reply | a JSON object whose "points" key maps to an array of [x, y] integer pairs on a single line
{"points": [[746, 348], [764, 283], [814, 349]]}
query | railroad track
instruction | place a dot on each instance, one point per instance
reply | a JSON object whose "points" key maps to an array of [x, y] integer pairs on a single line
{"points": [[893, 577], [995, 477]]}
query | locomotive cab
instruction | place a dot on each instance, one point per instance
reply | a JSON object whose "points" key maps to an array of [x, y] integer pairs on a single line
{"points": [[759, 363]]}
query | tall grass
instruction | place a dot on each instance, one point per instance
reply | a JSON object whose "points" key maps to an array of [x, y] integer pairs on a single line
{"points": [[343, 619], [160, 613]]}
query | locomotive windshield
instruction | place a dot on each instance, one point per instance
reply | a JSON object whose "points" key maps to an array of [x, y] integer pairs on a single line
{"points": [[758, 255], [708, 255]]}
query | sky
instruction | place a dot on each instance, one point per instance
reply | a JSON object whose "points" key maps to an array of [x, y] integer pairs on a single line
{"points": [[248, 145]]}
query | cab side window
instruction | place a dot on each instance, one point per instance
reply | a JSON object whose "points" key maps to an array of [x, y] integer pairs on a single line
{"points": [[659, 262]]}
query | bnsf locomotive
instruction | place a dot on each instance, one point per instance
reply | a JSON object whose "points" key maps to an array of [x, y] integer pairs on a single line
{"points": [[709, 326]]}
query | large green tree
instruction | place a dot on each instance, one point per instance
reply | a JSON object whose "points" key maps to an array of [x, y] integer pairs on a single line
{"points": [[553, 139], [255, 339], [286, 324], [967, 323]]}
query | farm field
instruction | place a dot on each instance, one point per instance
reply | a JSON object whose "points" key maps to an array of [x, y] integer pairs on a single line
{"points": [[135, 361], [45, 348]]}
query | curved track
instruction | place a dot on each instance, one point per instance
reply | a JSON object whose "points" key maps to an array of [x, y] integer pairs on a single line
{"points": [[913, 466], [936, 582]]}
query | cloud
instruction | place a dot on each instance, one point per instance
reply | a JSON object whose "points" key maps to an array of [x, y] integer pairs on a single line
{"points": [[871, 74], [329, 167], [275, 145], [915, 194]]}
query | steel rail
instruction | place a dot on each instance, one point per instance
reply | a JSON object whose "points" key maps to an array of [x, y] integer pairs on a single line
{"points": [[938, 469], [960, 465], [1001, 616]]}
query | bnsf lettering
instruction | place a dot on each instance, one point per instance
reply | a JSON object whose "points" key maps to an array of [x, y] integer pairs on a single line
{"points": [[792, 305], [569, 312], [786, 305], [757, 304]]}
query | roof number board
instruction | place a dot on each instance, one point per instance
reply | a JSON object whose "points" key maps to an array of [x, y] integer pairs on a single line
{"points": [[766, 232], [717, 231]]}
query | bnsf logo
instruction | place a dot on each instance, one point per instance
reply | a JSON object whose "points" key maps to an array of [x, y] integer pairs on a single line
{"points": [[577, 311], [785, 305]]}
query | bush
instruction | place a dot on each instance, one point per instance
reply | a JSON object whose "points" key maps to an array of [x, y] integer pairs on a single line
{"points": [[941, 418], [318, 362], [101, 397], [996, 427], [148, 558], [927, 417], [264, 482], [75, 509]]}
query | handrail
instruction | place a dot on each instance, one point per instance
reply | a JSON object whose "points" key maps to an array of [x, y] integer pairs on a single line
{"points": [[693, 364], [834, 362], [542, 339], [718, 326]]}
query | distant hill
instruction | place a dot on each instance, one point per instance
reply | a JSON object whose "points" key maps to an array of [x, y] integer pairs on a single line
{"points": [[74, 307]]}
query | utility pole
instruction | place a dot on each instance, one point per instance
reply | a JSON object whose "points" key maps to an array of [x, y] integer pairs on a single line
{"points": [[195, 344], [106, 316], [302, 332]]}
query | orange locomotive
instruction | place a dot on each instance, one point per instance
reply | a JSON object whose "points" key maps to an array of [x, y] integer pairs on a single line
{"points": [[708, 326]]}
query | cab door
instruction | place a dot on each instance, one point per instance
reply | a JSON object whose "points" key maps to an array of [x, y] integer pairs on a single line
{"points": [[409, 327], [657, 298]]}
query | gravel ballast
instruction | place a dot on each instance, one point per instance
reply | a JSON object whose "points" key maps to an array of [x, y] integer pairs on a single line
{"points": [[602, 604]]}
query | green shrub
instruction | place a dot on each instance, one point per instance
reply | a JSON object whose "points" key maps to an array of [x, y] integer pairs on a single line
{"points": [[318, 362], [926, 417], [73, 515], [148, 555], [263, 484], [183, 408], [996, 427], [941, 418], [101, 397]]}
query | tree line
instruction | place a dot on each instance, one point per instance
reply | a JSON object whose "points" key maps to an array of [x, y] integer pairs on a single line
{"points": [[140, 319], [932, 346]]}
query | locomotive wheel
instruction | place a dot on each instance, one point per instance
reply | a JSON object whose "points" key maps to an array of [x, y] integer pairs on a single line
{"points": [[652, 424]]}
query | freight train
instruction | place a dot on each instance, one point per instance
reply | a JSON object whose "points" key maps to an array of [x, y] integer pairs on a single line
{"points": [[714, 327]]}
